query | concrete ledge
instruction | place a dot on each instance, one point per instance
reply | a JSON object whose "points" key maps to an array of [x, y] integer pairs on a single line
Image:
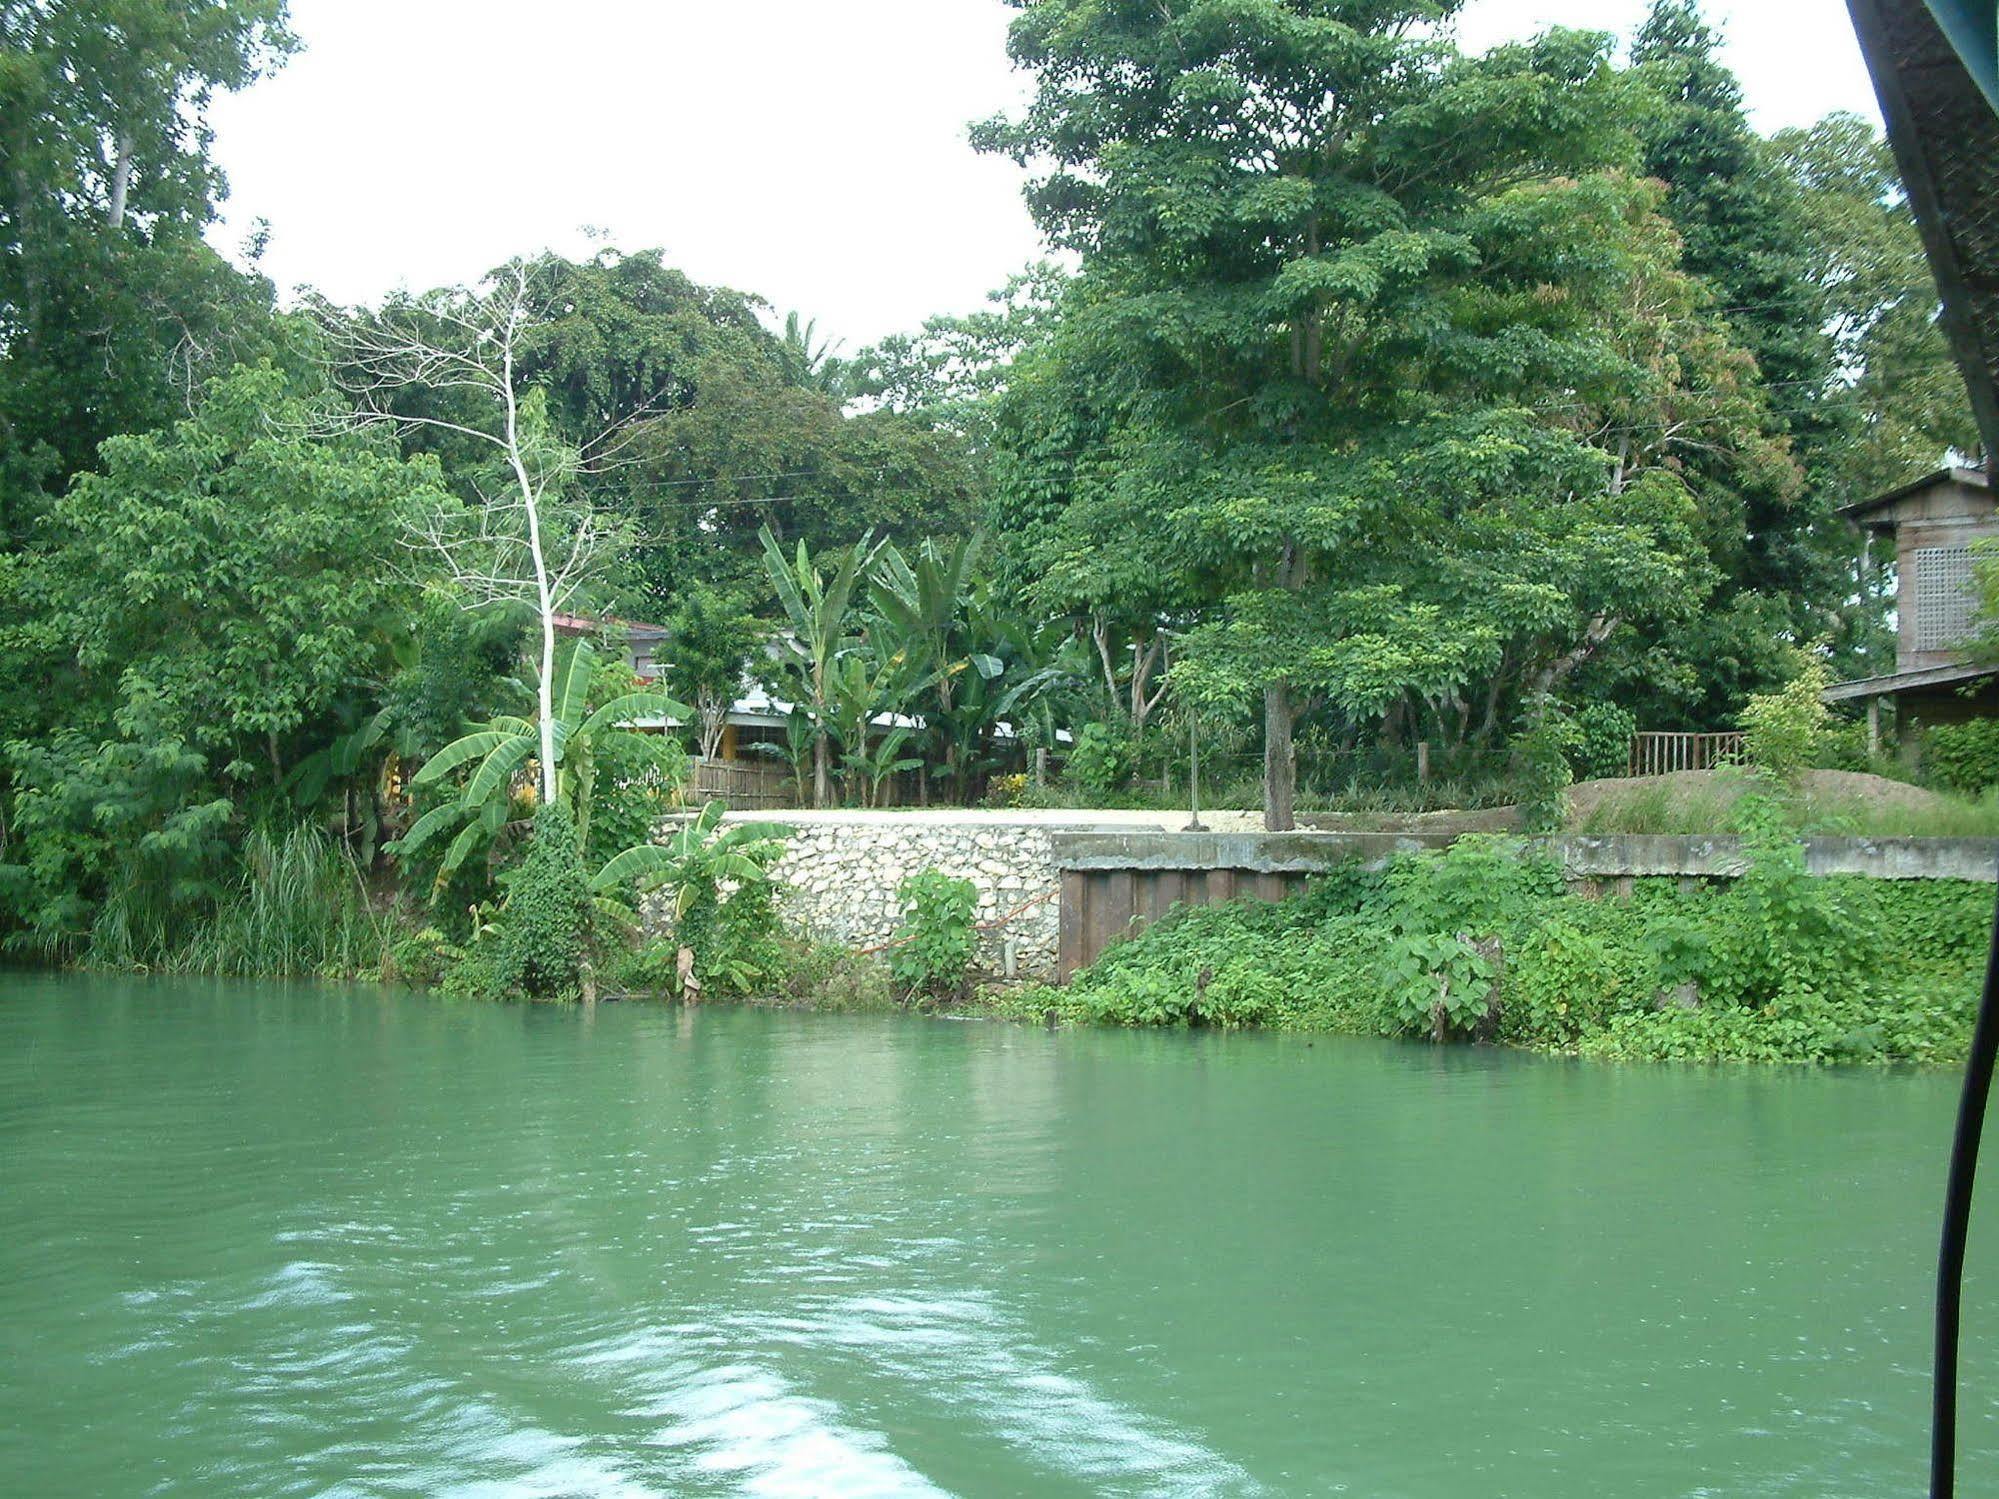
{"points": [[1632, 854], [1614, 856], [1257, 853]]}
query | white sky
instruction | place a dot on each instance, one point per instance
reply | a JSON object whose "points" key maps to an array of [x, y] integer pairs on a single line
{"points": [[812, 151]]}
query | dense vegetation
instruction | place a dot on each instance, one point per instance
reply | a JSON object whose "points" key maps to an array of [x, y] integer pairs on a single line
{"points": [[1385, 394], [1483, 942]]}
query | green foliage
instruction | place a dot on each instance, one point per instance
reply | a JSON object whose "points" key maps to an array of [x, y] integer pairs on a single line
{"points": [[179, 899], [1099, 762], [1783, 730], [932, 954], [545, 931], [1442, 984], [236, 577], [603, 767], [1010, 790], [1963, 756], [711, 637], [732, 950], [1451, 919], [203, 627], [718, 904], [1483, 942], [129, 832], [1602, 743], [1710, 804], [1866, 260], [112, 305], [423, 958], [1314, 381], [299, 907], [1541, 758]]}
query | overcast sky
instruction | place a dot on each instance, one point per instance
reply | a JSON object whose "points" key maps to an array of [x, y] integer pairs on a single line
{"points": [[810, 151]]}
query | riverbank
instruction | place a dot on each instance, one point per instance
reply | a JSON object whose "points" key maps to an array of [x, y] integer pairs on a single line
{"points": [[1486, 943]]}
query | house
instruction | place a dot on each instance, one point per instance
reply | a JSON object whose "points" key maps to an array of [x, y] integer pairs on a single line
{"points": [[1932, 526], [753, 717], [641, 640]]}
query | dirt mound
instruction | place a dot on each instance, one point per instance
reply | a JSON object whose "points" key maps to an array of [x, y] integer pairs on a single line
{"points": [[1691, 801], [1681, 795]]}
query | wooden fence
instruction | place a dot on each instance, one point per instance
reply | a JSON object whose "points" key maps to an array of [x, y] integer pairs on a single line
{"points": [[743, 784], [1659, 754]]}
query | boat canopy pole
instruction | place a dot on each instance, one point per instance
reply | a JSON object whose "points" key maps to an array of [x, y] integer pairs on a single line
{"points": [[1957, 1224]]}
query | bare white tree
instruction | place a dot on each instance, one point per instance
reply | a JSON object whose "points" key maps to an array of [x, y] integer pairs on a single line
{"points": [[526, 541]]}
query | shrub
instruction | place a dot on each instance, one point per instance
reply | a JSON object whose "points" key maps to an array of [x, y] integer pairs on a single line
{"points": [[1783, 729], [828, 976], [733, 937], [1099, 762], [1775, 966], [422, 958], [713, 883], [1963, 756], [1006, 790], [635, 779], [1602, 743], [1571, 975], [1541, 766], [933, 948], [543, 932], [731, 940]]}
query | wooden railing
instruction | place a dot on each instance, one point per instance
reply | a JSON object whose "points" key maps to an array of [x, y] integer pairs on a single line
{"points": [[742, 784], [1660, 754]]}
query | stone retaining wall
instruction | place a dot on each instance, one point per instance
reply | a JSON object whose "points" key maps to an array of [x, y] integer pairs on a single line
{"points": [[840, 874]]}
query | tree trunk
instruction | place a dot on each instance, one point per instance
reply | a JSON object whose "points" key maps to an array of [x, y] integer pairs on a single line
{"points": [[822, 771], [1280, 765], [1549, 677], [33, 299], [121, 182], [714, 713], [545, 688]]}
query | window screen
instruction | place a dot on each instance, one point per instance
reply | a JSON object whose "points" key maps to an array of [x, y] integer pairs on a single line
{"points": [[1943, 599]]}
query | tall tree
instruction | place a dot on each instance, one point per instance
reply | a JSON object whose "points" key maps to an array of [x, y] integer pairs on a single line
{"points": [[723, 427], [209, 608], [110, 301], [1326, 262], [712, 638], [1896, 373], [1748, 237], [530, 540]]}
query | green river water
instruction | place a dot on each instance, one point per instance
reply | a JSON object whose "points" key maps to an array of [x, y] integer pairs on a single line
{"points": [[307, 1240]]}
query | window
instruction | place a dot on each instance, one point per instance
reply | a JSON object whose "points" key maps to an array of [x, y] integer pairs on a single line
{"points": [[1943, 597]]}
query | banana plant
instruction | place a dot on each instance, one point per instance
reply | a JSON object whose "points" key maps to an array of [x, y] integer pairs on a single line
{"points": [[866, 685], [922, 601], [340, 763], [691, 865], [816, 634], [499, 751], [870, 764]]}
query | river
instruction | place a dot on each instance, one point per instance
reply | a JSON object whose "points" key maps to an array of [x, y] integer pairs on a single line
{"points": [[267, 1239]]}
